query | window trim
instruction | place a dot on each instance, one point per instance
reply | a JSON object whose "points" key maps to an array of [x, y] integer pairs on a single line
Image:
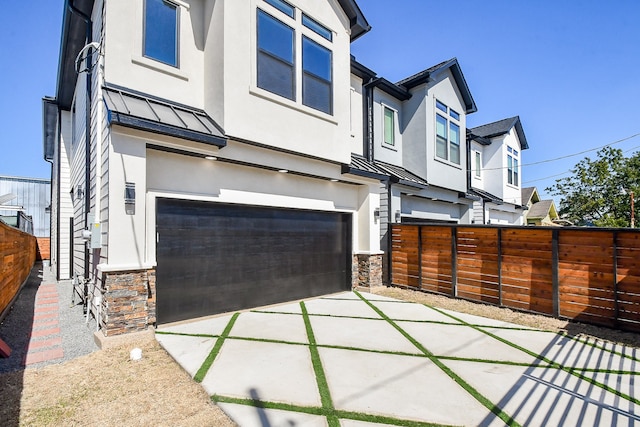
{"points": [[300, 31], [315, 76], [394, 116], [443, 111], [276, 4], [177, 7], [259, 51], [513, 164], [478, 165]]}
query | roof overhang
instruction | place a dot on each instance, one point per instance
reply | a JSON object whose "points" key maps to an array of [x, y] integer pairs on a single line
{"points": [[357, 21], [392, 89], [430, 74], [74, 36]]}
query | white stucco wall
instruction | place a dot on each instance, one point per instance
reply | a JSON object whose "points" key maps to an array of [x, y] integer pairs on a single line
{"points": [[217, 72], [357, 116], [275, 120], [160, 174], [383, 151], [441, 172], [125, 64]]}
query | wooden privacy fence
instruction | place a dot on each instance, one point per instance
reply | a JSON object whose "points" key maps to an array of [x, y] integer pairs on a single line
{"points": [[589, 275], [17, 256]]}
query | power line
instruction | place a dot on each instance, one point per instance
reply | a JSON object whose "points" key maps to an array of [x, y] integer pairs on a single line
{"points": [[569, 155], [569, 171], [547, 177]]}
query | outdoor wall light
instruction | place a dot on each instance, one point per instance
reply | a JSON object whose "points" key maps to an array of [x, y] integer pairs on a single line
{"points": [[398, 217], [376, 215], [283, 171], [130, 198]]}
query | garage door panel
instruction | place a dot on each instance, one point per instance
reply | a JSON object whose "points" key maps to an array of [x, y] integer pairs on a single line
{"points": [[214, 258]]}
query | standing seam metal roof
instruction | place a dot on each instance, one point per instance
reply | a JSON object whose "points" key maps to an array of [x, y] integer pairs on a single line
{"points": [[159, 116]]}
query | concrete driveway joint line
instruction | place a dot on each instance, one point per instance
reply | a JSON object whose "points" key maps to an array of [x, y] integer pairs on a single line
{"points": [[202, 372], [321, 379], [325, 412], [479, 397], [344, 379], [573, 371]]}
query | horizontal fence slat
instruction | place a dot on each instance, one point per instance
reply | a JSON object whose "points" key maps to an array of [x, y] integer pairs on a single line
{"points": [[598, 270]]}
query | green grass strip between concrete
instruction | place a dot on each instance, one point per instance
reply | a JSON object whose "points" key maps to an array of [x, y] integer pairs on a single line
{"points": [[571, 370], [321, 379], [325, 412], [459, 380], [202, 372]]}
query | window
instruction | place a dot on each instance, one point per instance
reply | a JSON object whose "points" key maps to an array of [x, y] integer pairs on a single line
{"points": [[316, 76], [283, 7], [317, 28], [478, 164], [454, 141], [447, 134], [276, 69], [161, 31], [279, 65], [441, 137], [512, 167], [389, 126]]}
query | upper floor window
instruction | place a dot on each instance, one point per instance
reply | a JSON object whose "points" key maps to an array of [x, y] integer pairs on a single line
{"points": [[389, 126], [478, 164], [161, 31], [447, 134], [276, 68], [316, 76], [279, 66], [512, 166]]}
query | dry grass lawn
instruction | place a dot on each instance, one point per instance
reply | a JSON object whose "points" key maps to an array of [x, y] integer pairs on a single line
{"points": [[105, 388]]}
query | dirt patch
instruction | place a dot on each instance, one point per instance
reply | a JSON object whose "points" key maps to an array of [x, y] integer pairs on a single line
{"points": [[512, 316], [106, 388]]}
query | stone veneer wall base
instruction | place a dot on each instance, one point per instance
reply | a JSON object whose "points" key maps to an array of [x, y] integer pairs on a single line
{"points": [[129, 302], [367, 271]]}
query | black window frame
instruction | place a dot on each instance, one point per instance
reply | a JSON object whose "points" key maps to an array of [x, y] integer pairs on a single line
{"points": [[313, 76], [260, 51]]}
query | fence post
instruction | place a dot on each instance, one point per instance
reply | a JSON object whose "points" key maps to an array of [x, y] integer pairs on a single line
{"points": [[616, 307], [555, 271], [420, 257], [499, 244], [454, 261]]}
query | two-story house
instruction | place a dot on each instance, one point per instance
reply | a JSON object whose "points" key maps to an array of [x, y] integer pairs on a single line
{"points": [[201, 156], [495, 171], [414, 136]]}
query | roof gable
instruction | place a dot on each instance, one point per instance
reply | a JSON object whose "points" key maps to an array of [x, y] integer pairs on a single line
{"points": [[499, 128], [430, 73], [529, 194]]}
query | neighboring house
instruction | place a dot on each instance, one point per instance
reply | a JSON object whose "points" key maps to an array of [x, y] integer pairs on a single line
{"points": [[201, 156], [413, 137], [21, 197], [495, 172], [539, 212]]}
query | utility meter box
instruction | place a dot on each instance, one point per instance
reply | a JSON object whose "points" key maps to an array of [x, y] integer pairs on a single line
{"points": [[95, 233]]}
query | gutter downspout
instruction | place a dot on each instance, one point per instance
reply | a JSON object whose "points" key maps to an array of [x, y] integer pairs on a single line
{"points": [[87, 138], [368, 118], [471, 220]]}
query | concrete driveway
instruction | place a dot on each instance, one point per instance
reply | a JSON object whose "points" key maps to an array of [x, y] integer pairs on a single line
{"points": [[356, 360]]}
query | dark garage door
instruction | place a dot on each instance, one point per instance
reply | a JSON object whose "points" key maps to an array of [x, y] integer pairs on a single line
{"points": [[214, 258]]}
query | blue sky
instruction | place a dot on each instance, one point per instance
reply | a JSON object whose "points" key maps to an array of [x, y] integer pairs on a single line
{"points": [[570, 69]]}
